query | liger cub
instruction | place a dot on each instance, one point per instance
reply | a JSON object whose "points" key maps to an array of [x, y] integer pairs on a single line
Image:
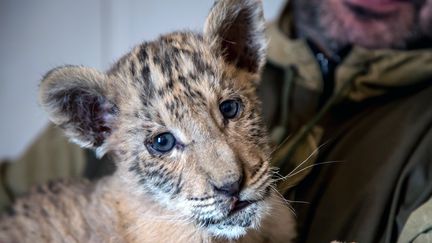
{"points": [[181, 118]]}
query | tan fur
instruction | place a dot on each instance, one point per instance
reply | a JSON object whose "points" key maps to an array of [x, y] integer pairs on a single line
{"points": [[172, 85], [98, 213]]}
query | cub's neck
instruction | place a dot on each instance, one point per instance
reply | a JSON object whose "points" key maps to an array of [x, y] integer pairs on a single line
{"points": [[142, 219]]}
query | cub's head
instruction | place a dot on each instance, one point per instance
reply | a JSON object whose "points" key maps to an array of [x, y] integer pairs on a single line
{"points": [[181, 117]]}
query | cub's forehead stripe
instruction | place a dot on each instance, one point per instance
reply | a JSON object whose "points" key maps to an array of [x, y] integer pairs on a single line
{"points": [[175, 70]]}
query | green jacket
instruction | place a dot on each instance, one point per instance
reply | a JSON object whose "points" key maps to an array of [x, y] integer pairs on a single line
{"points": [[362, 159]]}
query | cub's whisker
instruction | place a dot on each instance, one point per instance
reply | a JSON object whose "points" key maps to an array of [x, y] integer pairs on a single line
{"points": [[283, 201], [310, 166], [314, 152]]}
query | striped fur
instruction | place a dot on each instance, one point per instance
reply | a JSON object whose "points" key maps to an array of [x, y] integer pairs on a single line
{"points": [[173, 84]]}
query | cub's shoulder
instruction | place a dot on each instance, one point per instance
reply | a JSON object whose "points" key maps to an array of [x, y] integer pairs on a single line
{"points": [[59, 204]]}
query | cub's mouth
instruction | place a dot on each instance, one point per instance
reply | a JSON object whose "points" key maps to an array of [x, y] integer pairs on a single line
{"points": [[242, 215], [230, 215], [240, 205]]}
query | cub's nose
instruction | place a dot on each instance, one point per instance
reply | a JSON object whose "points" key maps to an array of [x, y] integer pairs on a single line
{"points": [[230, 189]]}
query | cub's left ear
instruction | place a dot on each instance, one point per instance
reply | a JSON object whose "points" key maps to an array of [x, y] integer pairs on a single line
{"points": [[80, 100], [235, 29]]}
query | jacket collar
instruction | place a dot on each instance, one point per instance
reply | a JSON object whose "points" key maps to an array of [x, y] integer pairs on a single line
{"points": [[370, 73]]}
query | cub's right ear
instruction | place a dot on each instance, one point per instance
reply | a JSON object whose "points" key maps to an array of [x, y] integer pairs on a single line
{"points": [[236, 30], [77, 99]]}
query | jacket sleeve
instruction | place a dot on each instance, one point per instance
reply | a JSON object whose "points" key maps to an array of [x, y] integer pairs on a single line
{"points": [[49, 157], [418, 228]]}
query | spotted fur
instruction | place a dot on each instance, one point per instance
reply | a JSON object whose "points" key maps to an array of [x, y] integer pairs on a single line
{"points": [[173, 84]]}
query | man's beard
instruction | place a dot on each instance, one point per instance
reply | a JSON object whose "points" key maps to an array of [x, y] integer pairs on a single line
{"points": [[335, 25]]}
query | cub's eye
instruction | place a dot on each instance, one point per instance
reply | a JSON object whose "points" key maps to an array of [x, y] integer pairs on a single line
{"points": [[229, 108], [163, 142]]}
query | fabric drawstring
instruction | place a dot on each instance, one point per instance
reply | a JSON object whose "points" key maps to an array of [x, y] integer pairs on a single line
{"points": [[287, 147], [280, 131]]}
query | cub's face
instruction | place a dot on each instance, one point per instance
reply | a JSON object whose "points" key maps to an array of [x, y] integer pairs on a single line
{"points": [[180, 115], [190, 133]]}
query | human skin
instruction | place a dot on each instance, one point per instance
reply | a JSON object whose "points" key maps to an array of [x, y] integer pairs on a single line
{"points": [[373, 24]]}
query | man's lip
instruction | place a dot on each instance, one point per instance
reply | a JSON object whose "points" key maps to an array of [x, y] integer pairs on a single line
{"points": [[378, 6]]}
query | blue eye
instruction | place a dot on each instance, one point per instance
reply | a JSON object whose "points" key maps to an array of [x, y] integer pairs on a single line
{"points": [[163, 142], [229, 108]]}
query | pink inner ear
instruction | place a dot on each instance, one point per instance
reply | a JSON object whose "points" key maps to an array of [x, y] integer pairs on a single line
{"points": [[91, 116], [103, 116], [109, 111]]}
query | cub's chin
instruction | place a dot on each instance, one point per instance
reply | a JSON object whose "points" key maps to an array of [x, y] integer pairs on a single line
{"points": [[238, 222]]}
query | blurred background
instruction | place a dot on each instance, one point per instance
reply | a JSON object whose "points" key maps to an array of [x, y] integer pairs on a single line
{"points": [[36, 36]]}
